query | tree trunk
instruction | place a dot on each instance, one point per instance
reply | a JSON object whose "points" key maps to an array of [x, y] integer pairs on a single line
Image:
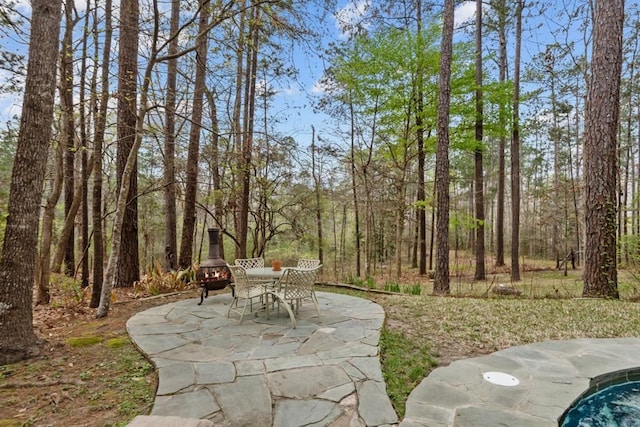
{"points": [[191, 187], [515, 153], [43, 267], [170, 224], [575, 191], [100, 126], [416, 238], [124, 189], [17, 263], [636, 210], [628, 183], [66, 100], [354, 190], [69, 224], [128, 270], [479, 169], [250, 76], [369, 215], [317, 191], [214, 167], [555, 136], [399, 232], [502, 71], [441, 278], [600, 151], [84, 123], [422, 217], [236, 131], [432, 228]]}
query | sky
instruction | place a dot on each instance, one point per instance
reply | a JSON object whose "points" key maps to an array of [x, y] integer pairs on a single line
{"points": [[296, 96]]}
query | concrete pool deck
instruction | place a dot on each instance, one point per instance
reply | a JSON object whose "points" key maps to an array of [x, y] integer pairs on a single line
{"points": [[214, 371], [551, 376]]}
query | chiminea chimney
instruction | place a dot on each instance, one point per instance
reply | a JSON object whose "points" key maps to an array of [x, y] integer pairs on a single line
{"points": [[214, 243]]}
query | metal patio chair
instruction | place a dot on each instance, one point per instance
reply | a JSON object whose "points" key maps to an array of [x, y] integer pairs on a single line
{"points": [[245, 290], [308, 263], [250, 262], [294, 286]]}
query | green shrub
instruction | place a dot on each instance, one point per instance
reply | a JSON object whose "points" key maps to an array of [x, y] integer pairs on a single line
{"points": [[370, 283], [415, 289], [70, 290], [392, 287], [156, 281]]}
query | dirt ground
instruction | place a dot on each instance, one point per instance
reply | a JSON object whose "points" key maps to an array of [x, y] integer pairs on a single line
{"points": [[88, 372]]}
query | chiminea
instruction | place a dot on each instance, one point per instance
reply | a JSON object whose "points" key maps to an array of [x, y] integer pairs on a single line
{"points": [[213, 273]]}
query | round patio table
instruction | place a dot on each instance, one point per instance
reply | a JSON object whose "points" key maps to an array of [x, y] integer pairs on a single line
{"points": [[266, 273]]}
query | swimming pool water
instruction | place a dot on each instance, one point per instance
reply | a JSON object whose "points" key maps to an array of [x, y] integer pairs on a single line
{"points": [[614, 406]]}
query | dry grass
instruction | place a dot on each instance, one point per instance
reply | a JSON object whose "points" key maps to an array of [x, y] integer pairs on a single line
{"points": [[486, 325]]}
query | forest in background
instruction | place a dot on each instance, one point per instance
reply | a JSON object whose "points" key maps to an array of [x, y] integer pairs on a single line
{"points": [[183, 102]]}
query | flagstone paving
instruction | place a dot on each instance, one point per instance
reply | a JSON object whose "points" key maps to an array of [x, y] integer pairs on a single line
{"points": [[262, 372]]}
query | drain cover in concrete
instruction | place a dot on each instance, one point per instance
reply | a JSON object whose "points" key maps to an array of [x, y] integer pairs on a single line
{"points": [[500, 378]]}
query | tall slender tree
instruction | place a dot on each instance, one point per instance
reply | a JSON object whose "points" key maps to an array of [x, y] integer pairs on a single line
{"points": [[17, 262], [237, 132], [478, 152], [170, 225], [354, 187], [601, 151], [248, 108], [85, 122], [441, 277], [128, 270], [550, 61], [500, 8], [68, 126], [43, 267], [419, 99], [191, 187], [98, 142], [515, 153], [317, 187]]}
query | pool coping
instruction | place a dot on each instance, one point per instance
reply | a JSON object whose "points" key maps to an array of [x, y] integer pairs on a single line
{"points": [[551, 374]]}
